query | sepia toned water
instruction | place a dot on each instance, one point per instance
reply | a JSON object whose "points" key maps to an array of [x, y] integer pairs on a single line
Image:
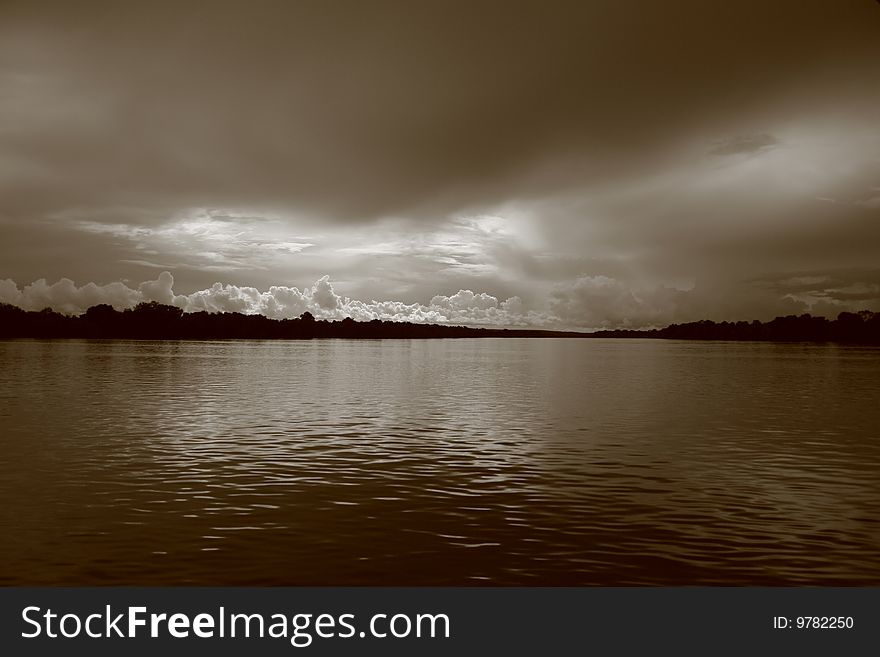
{"points": [[489, 461]]}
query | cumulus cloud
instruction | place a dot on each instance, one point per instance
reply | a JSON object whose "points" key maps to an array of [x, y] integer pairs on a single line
{"points": [[586, 302], [277, 302], [465, 299], [324, 295], [320, 299], [9, 292], [160, 289], [64, 296]]}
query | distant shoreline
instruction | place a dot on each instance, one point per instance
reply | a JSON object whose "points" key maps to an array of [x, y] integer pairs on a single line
{"points": [[155, 321]]}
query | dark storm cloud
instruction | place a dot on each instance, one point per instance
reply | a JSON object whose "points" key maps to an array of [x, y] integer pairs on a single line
{"points": [[829, 291], [370, 109], [263, 142]]}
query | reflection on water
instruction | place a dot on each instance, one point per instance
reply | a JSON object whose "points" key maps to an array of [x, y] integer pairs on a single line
{"points": [[439, 462]]}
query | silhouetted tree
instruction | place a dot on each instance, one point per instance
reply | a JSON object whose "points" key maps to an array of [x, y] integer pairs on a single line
{"points": [[160, 321]]}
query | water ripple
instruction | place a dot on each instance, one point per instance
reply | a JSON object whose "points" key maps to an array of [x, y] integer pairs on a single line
{"points": [[439, 462]]}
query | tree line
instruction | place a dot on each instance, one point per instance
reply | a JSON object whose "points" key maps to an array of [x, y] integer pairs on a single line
{"points": [[160, 321], [863, 326]]}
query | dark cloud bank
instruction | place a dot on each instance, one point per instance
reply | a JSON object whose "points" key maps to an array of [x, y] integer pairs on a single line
{"points": [[575, 164]]}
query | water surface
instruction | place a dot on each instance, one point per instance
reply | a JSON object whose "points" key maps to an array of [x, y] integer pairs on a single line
{"points": [[486, 461]]}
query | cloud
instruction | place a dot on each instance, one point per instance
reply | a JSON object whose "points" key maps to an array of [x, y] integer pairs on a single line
{"points": [[282, 141], [828, 293], [585, 303], [64, 296], [603, 302], [205, 238], [465, 300], [9, 292], [367, 113], [745, 144], [324, 296], [277, 302], [159, 290]]}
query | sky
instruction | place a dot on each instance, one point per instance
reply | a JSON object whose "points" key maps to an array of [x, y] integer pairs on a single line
{"points": [[583, 165]]}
